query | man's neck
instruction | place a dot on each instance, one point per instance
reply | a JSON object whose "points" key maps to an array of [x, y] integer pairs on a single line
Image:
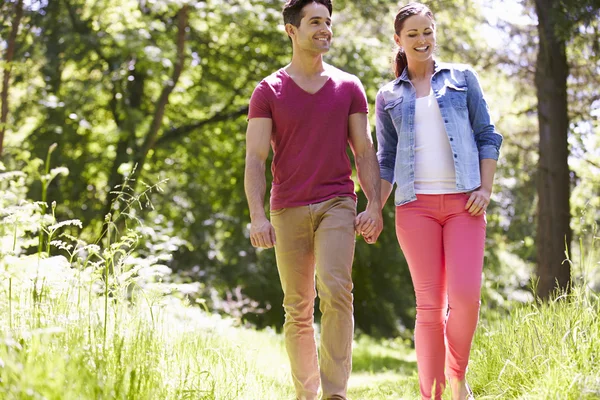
{"points": [[306, 66]]}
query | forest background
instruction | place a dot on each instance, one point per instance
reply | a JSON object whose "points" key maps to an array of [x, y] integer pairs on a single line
{"points": [[110, 104]]}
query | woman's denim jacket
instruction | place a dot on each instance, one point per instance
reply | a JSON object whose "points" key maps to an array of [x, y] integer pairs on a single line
{"points": [[466, 116]]}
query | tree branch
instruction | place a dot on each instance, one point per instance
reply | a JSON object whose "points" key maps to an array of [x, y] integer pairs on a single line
{"points": [[592, 163], [526, 149], [184, 130], [526, 111]]}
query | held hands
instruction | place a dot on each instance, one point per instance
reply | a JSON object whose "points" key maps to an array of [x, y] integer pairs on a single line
{"points": [[262, 233], [369, 224], [478, 201]]}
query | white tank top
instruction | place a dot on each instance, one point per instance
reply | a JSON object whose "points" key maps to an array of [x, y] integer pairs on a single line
{"points": [[434, 166]]}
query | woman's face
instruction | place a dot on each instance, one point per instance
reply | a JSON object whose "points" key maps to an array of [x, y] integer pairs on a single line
{"points": [[417, 37]]}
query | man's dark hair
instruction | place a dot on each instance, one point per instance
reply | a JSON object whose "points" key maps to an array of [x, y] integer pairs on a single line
{"points": [[292, 10]]}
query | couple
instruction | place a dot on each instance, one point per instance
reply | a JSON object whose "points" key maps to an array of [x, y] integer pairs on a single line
{"points": [[436, 142]]}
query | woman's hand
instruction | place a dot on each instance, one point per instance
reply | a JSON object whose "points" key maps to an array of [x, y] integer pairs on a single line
{"points": [[478, 201], [369, 224]]}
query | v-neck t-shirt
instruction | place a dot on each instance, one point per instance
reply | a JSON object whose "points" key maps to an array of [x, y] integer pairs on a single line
{"points": [[309, 136]]}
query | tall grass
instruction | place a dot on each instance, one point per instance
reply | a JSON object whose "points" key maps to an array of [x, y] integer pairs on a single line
{"points": [[101, 323], [544, 350], [94, 322], [157, 347]]}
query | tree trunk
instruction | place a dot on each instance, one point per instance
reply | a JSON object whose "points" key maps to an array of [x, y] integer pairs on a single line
{"points": [[163, 100], [553, 185], [152, 135], [10, 51]]}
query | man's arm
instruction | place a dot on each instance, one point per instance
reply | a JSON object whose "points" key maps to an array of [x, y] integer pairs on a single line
{"points": [[258, 138], [369, 223]]}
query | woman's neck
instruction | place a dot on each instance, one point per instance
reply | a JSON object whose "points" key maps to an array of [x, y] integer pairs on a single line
{"points": [[420, 70]]}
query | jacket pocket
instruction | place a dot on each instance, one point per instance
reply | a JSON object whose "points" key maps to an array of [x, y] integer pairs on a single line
{"points": [[458, 96], [394, 109], [393, 103]]}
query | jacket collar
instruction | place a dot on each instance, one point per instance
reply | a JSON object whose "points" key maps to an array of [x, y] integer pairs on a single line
{"points": [[437, 67]]}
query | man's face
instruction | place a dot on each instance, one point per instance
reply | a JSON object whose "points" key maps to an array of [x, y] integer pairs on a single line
{"points": [[314, 33]]}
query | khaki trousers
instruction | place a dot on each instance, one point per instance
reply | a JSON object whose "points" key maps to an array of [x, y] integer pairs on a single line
{"points": [[317, 238]]}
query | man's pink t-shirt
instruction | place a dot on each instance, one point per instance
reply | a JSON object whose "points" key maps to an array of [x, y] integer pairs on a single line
{"points": [[309, 137]]}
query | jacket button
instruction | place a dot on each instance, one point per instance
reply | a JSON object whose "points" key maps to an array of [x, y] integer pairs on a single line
{"points": [[455, 156]]}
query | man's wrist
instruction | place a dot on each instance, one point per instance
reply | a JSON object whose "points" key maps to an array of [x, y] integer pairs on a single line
{"points": [[257, 215], [374, 204]]}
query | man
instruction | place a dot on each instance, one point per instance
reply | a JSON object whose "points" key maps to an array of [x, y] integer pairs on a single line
{"points": [[308, 112]]}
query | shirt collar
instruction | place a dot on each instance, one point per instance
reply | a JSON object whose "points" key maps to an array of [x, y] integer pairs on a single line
{"points": [[437, 67]]}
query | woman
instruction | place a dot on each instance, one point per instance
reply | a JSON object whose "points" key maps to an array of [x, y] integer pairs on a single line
{"points": [[436, 142]]}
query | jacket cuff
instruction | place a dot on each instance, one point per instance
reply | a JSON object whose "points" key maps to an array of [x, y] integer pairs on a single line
{"points": [[387, 174], [489, 151]]}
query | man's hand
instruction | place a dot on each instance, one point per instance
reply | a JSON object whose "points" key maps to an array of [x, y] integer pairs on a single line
{"points": [[262, 233], [369, 224], [478, 201]]}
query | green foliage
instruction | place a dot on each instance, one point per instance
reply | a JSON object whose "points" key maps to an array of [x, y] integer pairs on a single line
{"points": [[84, 321], [158, 346], [542, 350], [88, 75]]}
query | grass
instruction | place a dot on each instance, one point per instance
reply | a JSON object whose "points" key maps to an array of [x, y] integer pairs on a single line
{"points": [[166, 350], [542, 351], [69, 329], [159, 347], [545, 350]]}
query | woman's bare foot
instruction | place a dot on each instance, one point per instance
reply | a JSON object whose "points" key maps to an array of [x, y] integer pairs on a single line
{"points": [[460, 390]]}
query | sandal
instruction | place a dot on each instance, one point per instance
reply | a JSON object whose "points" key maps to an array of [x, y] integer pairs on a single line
{"points": [[470, 392]]}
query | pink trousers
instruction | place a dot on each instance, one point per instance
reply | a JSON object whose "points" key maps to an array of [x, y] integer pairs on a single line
{"points": [[444, 247]]}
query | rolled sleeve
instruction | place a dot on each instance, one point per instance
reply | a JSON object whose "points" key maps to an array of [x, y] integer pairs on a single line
{"points": [[387, 140], [489, 152]]}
